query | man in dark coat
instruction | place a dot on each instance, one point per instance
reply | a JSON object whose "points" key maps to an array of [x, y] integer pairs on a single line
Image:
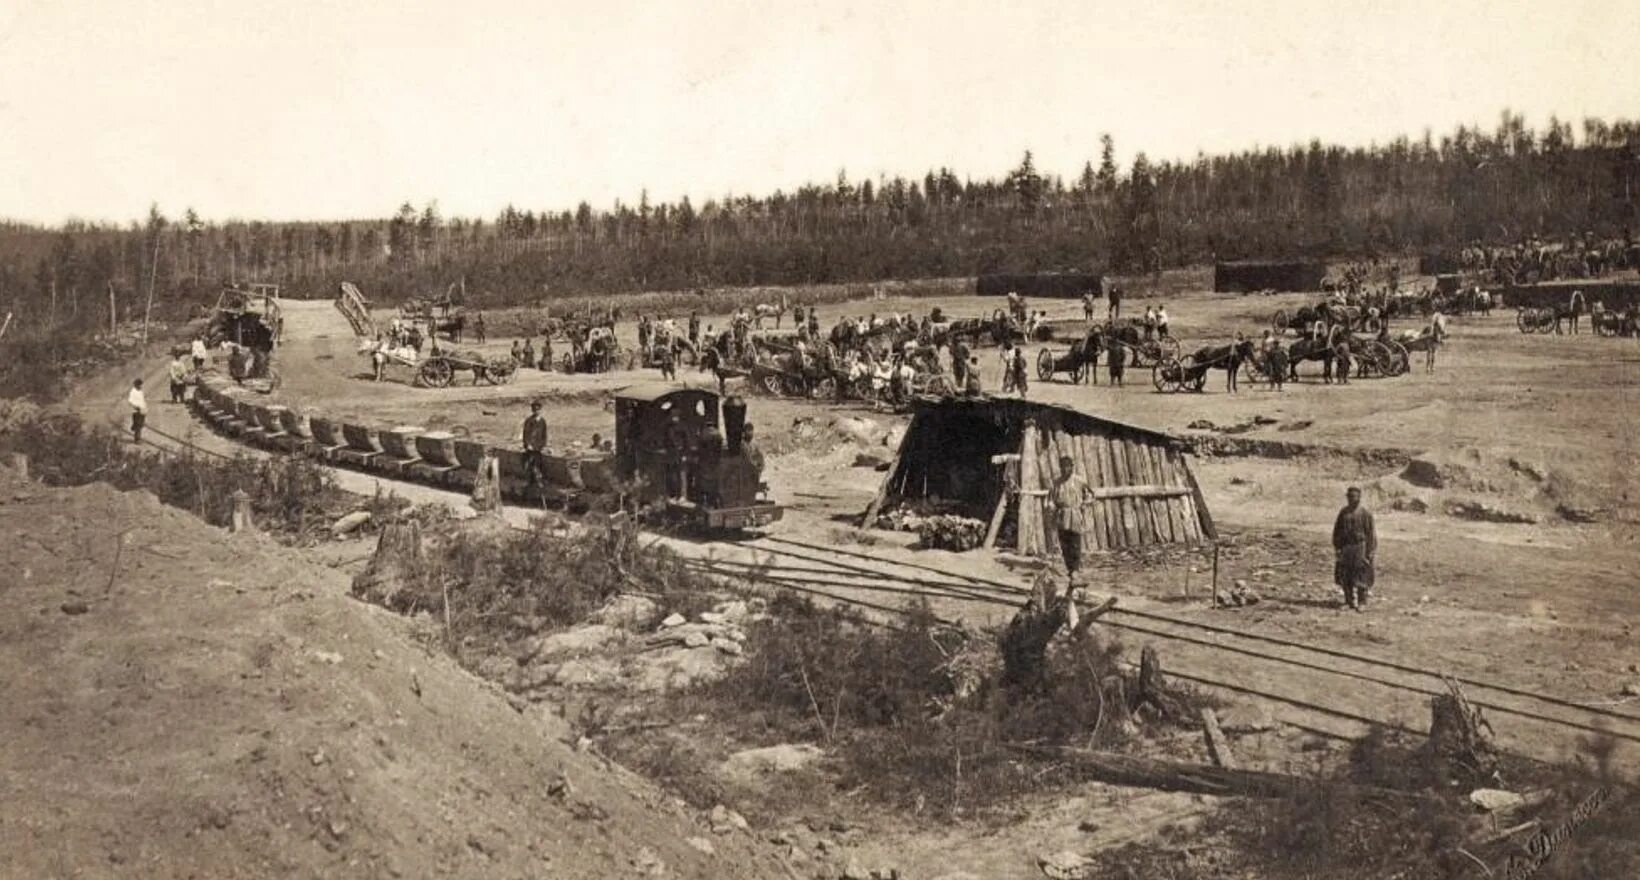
{"points": [[535, 446], [1355, 542]]}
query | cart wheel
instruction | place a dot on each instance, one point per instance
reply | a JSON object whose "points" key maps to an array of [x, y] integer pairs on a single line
{"points": [[1525, 320], [824, 388], [938, 386], [1402, 358], [1044, 365], [1078, 372], [437, 373], [1166, 375], [1278, 323], [771, 384], [1169, 347]]}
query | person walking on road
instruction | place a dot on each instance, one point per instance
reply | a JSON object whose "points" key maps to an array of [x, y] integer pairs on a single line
{"points": [[139, 410], [1355, 542]]}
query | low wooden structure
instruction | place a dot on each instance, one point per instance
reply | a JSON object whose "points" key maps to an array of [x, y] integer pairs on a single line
{"points": [[1060, 285], [998, 459], [1242, 276]]}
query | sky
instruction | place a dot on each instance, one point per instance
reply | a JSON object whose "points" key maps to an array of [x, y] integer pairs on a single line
{"points": [[334, 110]]}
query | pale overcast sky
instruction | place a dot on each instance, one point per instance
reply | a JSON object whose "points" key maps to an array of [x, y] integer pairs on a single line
{"points": [[325, 110]]}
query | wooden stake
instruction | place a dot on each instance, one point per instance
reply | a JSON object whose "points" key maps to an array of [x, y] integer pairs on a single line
{"points": [[113, 323], [1215, 575]]}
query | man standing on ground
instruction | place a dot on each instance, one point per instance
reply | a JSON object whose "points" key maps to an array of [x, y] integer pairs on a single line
{"points": [[178, 371], [959, 362], [478, 328], [1022, 371], [1070, 495], [535, 445], [139, 410], [1355, 542], [1115, 300]]}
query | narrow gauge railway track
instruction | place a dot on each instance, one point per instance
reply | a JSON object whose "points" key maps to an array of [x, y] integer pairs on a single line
{"points": [[838, 575]]}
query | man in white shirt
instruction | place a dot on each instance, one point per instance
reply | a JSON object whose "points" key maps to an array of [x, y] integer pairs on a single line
{"points": [[139, 410]]}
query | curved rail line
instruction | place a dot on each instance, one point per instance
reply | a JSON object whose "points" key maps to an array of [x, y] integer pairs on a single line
{"points": [[847, 574], [1276, 640]]}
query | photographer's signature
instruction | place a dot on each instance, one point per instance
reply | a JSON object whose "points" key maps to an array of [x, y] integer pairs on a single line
{"points": [[1542, 844]]}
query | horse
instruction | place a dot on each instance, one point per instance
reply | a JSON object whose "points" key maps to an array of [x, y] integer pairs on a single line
{"points": [[1313, 346], [1222, 357], [1126, 335], [765, 310]]}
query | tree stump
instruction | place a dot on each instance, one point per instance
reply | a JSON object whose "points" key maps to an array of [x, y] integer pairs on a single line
{"points": [[1151, 688], [396, 568], [487, 486], [1460, 737]]}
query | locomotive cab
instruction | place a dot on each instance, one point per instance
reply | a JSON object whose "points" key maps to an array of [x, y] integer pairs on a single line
{"points": [[685, 450]]}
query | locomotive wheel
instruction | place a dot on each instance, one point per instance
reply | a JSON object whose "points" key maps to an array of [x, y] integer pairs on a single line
{"points": [[1044, 365], [1279, 322], [437, 373]]}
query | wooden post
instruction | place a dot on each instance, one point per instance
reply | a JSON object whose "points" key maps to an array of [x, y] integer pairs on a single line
{"points": [[1215, 576], [153, 274], [113, 313], [240, 519]]}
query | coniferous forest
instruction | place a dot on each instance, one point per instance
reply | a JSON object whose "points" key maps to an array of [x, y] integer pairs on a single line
{"points": [[1404, 197]]}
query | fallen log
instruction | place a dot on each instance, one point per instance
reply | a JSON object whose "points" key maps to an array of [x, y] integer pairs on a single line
{"points": [[1218, 748], [1131, 770]]}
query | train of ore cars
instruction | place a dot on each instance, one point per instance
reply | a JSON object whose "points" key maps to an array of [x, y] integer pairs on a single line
{"points": [[680, 455]]}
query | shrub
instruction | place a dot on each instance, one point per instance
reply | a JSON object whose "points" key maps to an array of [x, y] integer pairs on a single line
{"points": [[292, 496]]}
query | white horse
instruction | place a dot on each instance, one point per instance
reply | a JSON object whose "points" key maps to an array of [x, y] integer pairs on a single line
{"points": [[765, 310]]}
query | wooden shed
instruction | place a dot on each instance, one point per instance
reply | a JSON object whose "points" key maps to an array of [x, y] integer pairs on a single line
{"points": [[1243, 276], [995, 459]]}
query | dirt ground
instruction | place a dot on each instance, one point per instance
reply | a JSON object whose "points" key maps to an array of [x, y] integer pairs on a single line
{"points": [[1532, 430], [195, 704]]}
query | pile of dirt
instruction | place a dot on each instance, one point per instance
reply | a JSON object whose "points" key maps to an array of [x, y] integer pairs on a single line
{"points": [[189, 703], [1489, 487]]}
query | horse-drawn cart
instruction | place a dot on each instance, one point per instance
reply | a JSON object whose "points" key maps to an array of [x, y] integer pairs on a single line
{"points": [[438, 369], [1173, 374]]}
